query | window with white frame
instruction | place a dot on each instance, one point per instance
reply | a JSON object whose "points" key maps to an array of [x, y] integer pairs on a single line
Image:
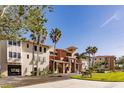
{"points": [[40, 49], [19, 55], [10, 54], [13, 42], [10, 42], [14, 55], [44, 50]]}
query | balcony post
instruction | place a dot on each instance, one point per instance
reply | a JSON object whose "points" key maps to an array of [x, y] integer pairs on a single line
{"points": [[70, 66], [63, 68], [57, 67], [53, 67], [75, 66]]}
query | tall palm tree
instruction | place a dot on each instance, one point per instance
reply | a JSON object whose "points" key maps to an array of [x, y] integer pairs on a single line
{"points": [[41, 37], [89, 51], [35, 23], [33, 38], [94, 50], [55, 36], [79, 58], [38, 39]]}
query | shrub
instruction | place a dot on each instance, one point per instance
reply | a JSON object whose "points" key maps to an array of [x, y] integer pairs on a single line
{"points": [[33, 73], [100, 70]]}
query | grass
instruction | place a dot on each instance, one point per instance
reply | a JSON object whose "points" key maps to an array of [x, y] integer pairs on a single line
{"points": [[108, 77], [6, 86]]}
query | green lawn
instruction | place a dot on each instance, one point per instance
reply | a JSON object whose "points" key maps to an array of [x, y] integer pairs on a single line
{"points": [[108, 77], [6, 86]]}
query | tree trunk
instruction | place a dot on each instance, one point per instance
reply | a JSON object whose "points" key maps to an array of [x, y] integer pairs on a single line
{"points": [[37, 63], [93, 56], [89, 62], [54, 57], [33, 59]]}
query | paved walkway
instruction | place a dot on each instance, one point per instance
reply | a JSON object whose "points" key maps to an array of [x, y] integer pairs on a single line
{"points": [[74, 83]]}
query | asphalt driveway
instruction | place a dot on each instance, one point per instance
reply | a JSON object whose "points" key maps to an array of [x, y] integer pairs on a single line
{"points": [[18, 81], [74, 83], [56, 81]]}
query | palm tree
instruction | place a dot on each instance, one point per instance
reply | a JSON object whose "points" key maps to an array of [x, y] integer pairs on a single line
{"points": [[41, 37], [55, 36], [79, 58], [35, 23], [33, 38], [89, 51], [94, 50]]}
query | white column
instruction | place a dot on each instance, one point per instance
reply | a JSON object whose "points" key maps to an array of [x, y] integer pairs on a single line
{"points": [[70, 67], [78, 67], [74, 66], [53, 67], [63, 67], [57, 67]]}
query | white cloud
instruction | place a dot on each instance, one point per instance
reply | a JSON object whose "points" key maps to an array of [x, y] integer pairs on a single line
{"points": [[113, 17], [119, 14]]}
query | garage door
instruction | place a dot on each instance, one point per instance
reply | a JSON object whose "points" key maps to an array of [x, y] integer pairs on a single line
{"points": [[14, 70]]}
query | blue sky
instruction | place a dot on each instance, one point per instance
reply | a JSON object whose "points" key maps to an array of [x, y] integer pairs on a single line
{"points": [[83, 26]]}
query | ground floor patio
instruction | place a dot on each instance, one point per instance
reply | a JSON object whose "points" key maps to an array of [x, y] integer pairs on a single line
{"points": [[59, 66]]}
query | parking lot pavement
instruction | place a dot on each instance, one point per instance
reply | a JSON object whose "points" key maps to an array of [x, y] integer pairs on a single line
{"points": [[74, 83], [18, 81]]}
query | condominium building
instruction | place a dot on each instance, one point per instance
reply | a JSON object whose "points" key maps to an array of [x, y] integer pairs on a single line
{"points": [[64, 61], [109, 60], [19, 58]]}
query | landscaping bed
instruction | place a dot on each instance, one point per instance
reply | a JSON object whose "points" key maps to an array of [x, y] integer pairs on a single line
{"points": [[106, 77]]}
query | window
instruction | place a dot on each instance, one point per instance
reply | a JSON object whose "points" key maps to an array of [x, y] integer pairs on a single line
{"points": [[19, 55], [35, 48], [69, 54], [14, 54], [27, 45], [10, 42], [10, 54], [40, 49], [100, 59], [27, 56], [35, 69], [14, 43], [18, 43], [44, 50], [51, 53]]}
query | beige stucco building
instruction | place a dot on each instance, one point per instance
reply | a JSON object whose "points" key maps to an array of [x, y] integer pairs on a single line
{"points": [[109, 61], [16, 58]]}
